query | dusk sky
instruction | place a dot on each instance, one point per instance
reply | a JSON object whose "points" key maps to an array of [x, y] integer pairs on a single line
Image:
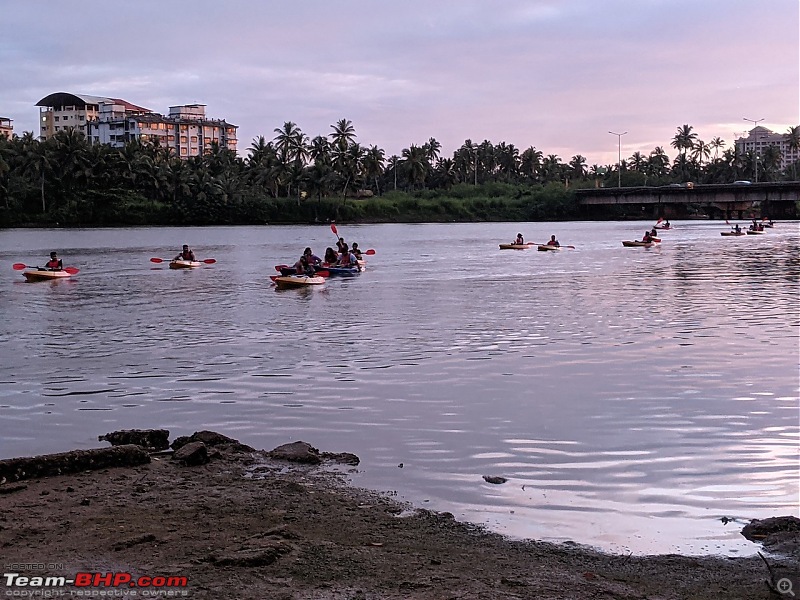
{"points": [[554, 74]]}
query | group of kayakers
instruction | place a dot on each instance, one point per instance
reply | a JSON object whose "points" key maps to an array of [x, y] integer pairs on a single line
{"points": [[344, 256], [520, 241]]}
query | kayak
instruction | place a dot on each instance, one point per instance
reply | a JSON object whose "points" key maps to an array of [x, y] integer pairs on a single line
{"points": [[635, 244], [663, 227], [546, 247], [44, 275], [516, 246], [751, 232], [287, 281], [343, 271], [729, 233], [184, 264]]}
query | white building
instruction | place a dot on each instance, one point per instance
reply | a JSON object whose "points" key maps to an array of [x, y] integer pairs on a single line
{"points": [[187, 131], [6, 128], [760, 138]]}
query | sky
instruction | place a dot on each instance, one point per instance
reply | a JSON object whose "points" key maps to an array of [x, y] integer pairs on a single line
{"points": [[558, 75]]}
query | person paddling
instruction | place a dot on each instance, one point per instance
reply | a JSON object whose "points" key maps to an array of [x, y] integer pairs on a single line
{"points": [[186, 254], [520, 241], [647, 238], [553, 242], [54, 264]]}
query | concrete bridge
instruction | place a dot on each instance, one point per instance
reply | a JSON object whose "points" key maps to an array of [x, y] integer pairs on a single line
{"points": [[778, 200]]}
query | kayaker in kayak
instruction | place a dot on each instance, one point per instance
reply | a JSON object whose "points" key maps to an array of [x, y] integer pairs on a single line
{"points": [[737, 229], [186, 254], [302, 267], [355, 250], [647, 238], [520, 241], [54, 264], [347, 258], [312, 258], [330, 256], [654, 232], [340, 245], [553, 242]]}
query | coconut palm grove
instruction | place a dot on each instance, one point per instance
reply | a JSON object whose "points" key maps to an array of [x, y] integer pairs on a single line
{"points": [[293, 178]]}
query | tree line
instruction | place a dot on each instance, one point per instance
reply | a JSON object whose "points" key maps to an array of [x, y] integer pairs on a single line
{"points": [[292, 178]]}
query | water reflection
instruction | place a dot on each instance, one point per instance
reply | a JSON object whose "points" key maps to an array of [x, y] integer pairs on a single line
{"points": [[631, 397]]}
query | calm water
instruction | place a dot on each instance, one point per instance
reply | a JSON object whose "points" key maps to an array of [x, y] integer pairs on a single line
{"points": [[631, 396]]}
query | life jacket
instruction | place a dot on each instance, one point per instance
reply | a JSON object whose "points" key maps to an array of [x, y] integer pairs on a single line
{"points": [[187, 255], [53, 264], [344, 261]]}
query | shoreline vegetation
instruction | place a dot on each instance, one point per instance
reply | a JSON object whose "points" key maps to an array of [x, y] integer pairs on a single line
{"points": [[65, 181], [236, 522]]}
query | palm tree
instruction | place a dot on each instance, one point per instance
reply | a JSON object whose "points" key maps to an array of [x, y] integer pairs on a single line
{"points": [[684, 139], [700, 150], [343, 134], [432, 148], [577, 167], [716, 144], [373, 165], [415, 165], [531, 163], [793, 140]]}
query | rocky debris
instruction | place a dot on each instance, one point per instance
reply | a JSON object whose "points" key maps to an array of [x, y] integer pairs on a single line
{"points": [[211, 439], [495, 479], [16, 469], [299, 452], [305, 453], [192, 454], [10, 489], [150, 439], [778, 534], [142, 539], [759, 529], [252, 557]]}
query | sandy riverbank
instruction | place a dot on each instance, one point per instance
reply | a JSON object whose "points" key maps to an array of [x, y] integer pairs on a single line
{"points": [[249, 525]]}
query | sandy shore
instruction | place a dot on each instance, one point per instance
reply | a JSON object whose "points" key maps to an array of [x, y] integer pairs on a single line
{"points": [[249, 525]]}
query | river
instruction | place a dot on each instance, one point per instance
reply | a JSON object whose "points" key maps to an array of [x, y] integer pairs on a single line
{"points": [[632, 397]]}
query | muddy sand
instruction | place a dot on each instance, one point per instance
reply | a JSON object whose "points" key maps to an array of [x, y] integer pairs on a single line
{"points": [[258, 525]]}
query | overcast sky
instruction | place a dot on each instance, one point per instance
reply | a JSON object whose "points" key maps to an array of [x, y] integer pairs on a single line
{"points": [[554, 74]]}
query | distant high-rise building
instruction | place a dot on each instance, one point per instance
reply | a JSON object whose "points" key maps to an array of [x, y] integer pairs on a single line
{"points": [[113, 121], [760, 138], [6, 128]]}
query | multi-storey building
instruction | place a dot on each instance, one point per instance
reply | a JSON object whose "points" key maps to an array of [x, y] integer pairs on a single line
{"points": [[186, 130], [760, 138], [6, 128]]}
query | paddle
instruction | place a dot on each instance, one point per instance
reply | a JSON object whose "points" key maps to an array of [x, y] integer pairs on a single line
{"points": [[20, 266], [208, 261], [369, 252], [570, 247]]}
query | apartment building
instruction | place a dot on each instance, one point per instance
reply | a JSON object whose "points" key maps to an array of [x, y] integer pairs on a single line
{"points": [[6, 127], [760, 138], [185, 130]]}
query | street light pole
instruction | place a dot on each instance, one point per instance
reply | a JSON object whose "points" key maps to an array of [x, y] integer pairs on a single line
{"points": [[755, 146], [619, 156]]}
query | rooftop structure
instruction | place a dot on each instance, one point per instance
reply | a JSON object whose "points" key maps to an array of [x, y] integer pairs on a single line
{"points": [[113, 121], [760, 138], [6, 128]]}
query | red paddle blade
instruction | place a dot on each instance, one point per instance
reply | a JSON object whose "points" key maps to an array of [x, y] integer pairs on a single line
{"points": [[279, 267], [333, 229], [19, 266], [157, 260], [322, 273], [659, 220], [72, 270], [210, 261], [370, 252], [274, 277]]}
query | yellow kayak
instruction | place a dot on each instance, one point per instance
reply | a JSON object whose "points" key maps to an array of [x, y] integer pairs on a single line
{"points": [[184, 264], [43, 275]]}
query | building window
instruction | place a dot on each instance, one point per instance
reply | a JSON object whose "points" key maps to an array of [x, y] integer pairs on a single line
{"points": [[183, 150], [194, 139], [183, 139]]}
